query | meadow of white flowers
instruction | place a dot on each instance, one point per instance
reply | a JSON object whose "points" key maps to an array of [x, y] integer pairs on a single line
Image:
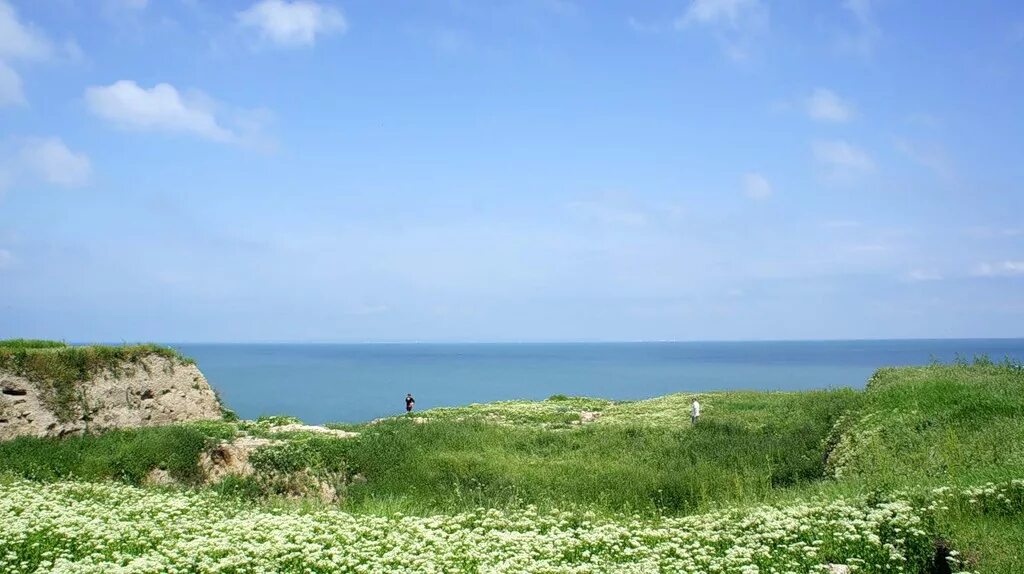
{"points": [[83, 528]]}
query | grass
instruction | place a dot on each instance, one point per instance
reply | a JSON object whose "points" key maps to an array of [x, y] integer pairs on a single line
{"points": [[935, 425], [125, 455], [911, 430], [987, 544], [30, 344], [60, 370], [637, 457]]}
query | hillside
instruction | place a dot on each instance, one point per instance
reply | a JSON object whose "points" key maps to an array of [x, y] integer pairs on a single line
{"points": [[919, 471]]}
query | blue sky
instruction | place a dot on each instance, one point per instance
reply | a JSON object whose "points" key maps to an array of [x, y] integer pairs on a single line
{"points": [[177, 170]]}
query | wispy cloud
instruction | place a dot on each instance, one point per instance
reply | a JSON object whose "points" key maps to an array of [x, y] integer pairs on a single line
{"points": [[999, 269], [922, 275], [841, 159], [824, 105], [19, 42], [6, 259], [986, 232], [840, 224], [163, 108], [644, 27], [134, 5], [47, 160], [923, 120], [757, 186], [363, 309], [928, 156], [862, 38], [292, 24], [607, 210], [736, 24], [50, 160]]}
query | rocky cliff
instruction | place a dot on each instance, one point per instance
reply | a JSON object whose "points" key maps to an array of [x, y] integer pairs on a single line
{"points": [[71, 390]]}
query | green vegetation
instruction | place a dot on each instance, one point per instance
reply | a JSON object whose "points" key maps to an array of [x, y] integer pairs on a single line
{"points": [[935, 425], [637, 456], [914, 434], [30, 344], [126, 455], [60, 369]]}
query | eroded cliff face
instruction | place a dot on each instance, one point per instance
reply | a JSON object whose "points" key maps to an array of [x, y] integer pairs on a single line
{"points": [[152, 391]]}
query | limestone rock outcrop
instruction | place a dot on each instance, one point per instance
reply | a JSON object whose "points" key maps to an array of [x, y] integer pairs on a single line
{"points": [[154, 390]]}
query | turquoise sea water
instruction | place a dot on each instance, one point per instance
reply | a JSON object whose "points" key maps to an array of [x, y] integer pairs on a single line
{"points": [[357, 382]]}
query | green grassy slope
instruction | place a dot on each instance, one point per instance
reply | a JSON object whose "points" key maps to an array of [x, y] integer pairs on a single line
{"points": [[939, 424], [638, 456], [949, 425]]}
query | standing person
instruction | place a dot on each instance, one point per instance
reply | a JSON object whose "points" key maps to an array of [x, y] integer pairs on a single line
{"points": [[409, 402], [694, 411]]}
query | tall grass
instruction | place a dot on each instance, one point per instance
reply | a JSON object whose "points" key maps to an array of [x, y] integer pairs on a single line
{"points": [[30, 344], [938, 424], [126, 455], [453, 465]]}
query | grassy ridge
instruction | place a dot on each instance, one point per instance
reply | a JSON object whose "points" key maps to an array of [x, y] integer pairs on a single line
{"points": [[652, 461], [14, 344], [935, 424], [59, 370]]}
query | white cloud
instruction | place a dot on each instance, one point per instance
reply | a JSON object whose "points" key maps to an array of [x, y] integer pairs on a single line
{"points": [[930, 157], [718, 11], [292, 24], [1000, 269], [920, 275], [11, 92], [362, 309], [862, 39], [735, 23], [48, 160], [608, 210], [18, 42], [160, 108], [985, 232], [868, 248], [825, 105], [131, 4], [643, 27], [756, 186], [51, 161], [842, 158], [840, 224], [6, 258]]}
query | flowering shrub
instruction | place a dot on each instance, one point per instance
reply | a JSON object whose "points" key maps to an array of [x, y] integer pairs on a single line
{"points": [[84, 528]]}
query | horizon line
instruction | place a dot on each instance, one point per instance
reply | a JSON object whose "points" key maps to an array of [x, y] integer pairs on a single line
{"points": [[551, 341]]}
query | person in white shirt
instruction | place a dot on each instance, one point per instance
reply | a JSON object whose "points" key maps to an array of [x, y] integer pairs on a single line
{"points": [[694, 411]]}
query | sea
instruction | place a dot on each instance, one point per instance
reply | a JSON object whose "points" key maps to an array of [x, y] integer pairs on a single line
{"points": [[322, 383]]}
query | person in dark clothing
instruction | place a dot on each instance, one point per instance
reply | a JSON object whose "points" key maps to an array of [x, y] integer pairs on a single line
{"points": [[409, 402]]}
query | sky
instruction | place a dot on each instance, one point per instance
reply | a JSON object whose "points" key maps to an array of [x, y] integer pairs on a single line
{"points": [[528, 170]]}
